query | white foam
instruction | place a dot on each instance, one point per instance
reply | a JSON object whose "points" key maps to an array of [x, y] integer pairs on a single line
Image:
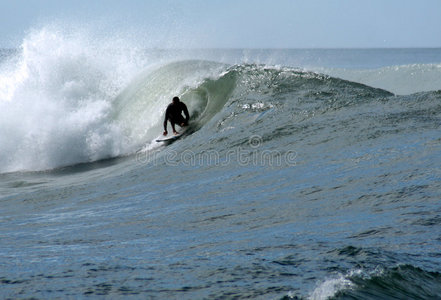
{"points": [[55, 100], [330, 287]]}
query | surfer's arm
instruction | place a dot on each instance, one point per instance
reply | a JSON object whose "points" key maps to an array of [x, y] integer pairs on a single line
{"points": [[165, 122], [187, 115]]}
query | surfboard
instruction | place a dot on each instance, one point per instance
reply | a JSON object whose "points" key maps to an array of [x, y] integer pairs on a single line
{"points": [[171, 137]]}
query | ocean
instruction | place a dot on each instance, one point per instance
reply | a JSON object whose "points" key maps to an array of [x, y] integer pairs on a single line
{"points": [[305, 173]]}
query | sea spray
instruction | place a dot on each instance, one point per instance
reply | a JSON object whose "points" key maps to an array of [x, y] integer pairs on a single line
{"points": [[56, 95]]}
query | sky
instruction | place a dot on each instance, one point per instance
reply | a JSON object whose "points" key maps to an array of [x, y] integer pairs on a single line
{"points": [[235, 23]]}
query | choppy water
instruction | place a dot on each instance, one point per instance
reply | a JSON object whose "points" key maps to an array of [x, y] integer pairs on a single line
{"points": [[306, 173]]}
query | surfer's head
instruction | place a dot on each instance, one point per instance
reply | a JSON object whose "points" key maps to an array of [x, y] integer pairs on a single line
{"points": [[175, 99]]}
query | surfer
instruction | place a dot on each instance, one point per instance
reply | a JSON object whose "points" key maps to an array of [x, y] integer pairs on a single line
{"points": [[173, 114]]}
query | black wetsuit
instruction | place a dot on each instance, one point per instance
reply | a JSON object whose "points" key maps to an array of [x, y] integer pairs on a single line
{"points": [[174, 114]]}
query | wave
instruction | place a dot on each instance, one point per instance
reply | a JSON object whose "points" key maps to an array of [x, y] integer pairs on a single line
{"points": [[65, 100], [400, 282], [74, 121]]}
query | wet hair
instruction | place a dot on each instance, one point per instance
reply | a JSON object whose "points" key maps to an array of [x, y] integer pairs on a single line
{"points": [[175, 99]]}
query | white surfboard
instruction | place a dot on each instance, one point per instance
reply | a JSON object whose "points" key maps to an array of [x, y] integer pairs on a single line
{"points": [[171, 137]]}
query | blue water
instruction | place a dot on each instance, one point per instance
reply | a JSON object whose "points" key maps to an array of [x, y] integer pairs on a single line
{"points": [[306, 174]]}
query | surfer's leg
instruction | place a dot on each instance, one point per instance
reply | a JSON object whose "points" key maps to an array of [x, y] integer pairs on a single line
{"points": [[173, 127], [181, 121]]}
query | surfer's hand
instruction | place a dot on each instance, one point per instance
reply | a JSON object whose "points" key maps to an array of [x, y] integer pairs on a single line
{"points": [[183, 124], [165, 133]]}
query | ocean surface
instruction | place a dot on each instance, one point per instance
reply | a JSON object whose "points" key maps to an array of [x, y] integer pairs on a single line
{"points": [[305, 174]]}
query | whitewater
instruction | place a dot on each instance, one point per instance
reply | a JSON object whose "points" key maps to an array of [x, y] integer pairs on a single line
{"points": [[305, 173]]}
